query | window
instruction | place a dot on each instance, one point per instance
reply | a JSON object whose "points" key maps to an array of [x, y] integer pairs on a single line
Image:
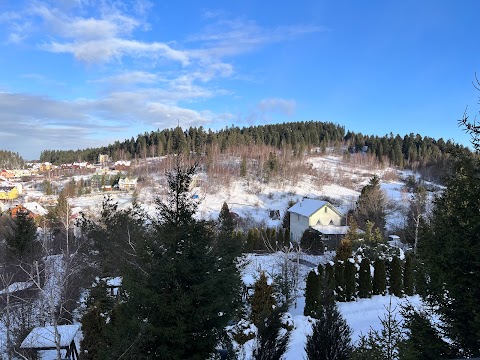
{"points": [[325, 209]]}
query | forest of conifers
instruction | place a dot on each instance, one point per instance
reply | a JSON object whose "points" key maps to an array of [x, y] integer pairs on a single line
{"points": [[407, 151]]}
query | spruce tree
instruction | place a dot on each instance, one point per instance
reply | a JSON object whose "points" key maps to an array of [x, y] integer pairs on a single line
{"points": [[344, 250], [396, 285], [329, 281], [449, 249], [350, 281], [422, 340], [243, 167], [263, 301], [409, 275], [331, 336], [371, 205], [94, 323], [225, 219], [379, 277], [383, 344], [312, 295], [180, 293], [365, 279], [272, 339], [20, 236]]}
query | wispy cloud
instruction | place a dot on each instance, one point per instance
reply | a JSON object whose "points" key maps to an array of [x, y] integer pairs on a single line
{"points": [[282, 106], [227, 37], [127, 95], [271, 108]]}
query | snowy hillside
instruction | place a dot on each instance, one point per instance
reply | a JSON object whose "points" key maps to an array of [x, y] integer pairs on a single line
{"points": [[328, 177]]}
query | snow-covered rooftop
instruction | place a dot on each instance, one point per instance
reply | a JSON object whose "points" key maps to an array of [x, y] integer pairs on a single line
{"points": [[307, 207], [35, 208], [43, 337]]}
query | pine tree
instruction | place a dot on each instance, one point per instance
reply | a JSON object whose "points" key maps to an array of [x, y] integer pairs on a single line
{"points": [[379, 277], [94, 323], [263, 302], [20, 236], [331, 336], [329, 287], [344, 250], [272, 339], [180, 293], [225, 219], [383, 344], [422, 340], [448, 253], [352, 232], [350, 281], [243, 167], [371, 205], [409, 275], [365, 279], [396, 285], [312, 295]]}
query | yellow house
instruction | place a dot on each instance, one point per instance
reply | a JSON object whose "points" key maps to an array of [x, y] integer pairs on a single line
{"points": [[311, 212], [8, 193], [45, 166]]}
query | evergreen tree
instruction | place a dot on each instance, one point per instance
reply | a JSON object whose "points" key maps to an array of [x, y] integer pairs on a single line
{"points": [[243, 167], [225, 219], [365, 279], [352, 232], [383, 344], [331, 336], [340, 280], [409, 275], [396, 285], [329, 287], [312, 295], [344, 250], [180, 294], [379, 277], [272, 339], [371, 205], [423, 340], [20, 236], [350, 281], [263, 302], [94, 323], [449, 253]]}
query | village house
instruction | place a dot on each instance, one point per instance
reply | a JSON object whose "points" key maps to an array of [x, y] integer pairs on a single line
{"points": [[321, 218], [9, 192], [7, 174], [127, 183]]}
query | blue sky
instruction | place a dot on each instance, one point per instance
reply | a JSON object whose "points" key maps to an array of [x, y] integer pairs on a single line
{"points": [[84, 73]]}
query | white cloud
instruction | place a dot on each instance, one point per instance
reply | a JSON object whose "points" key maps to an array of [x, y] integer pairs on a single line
{"points": [[270, 108], [131, 77], [105, 50], [31, 122], [237, 36], [282, 106]]}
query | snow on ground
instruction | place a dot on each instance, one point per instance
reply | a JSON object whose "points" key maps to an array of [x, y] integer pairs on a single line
{"points": [[361, 315], [329, 176]]}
